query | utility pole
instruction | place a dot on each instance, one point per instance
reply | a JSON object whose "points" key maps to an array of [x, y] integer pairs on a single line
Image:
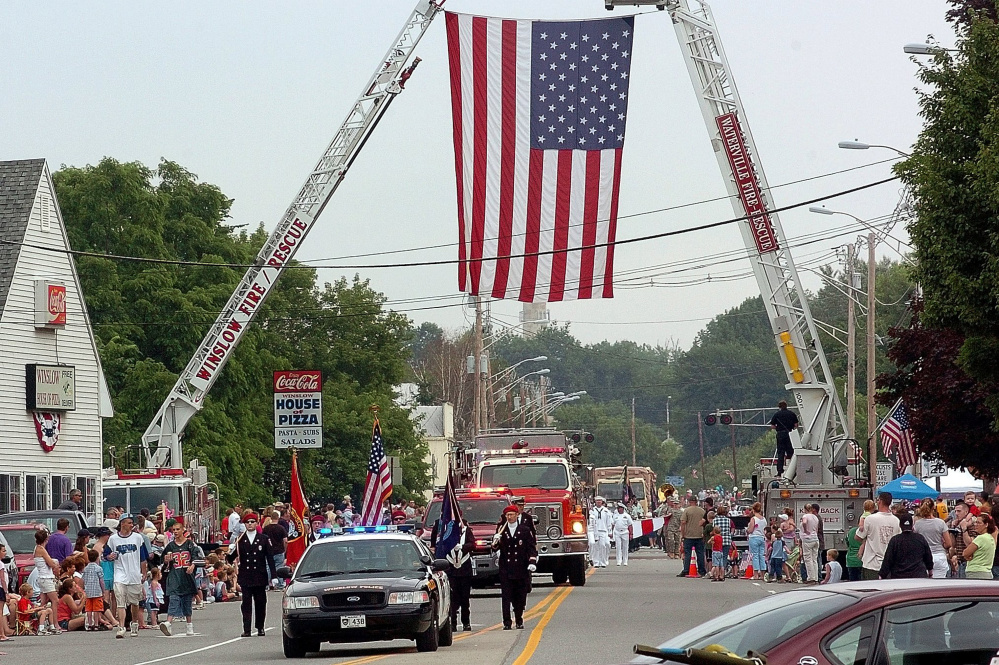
{"points": [[700, 435], [872, 414], [851, 348], [668, 436], [735, 462], [523, 405], [633, 462], [477, 364], [491, 398]]}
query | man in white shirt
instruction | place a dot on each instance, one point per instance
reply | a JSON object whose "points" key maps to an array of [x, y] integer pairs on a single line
{"points": [[234, 519], [600, 518], [622, 524], [876, 531], [127, 550]]}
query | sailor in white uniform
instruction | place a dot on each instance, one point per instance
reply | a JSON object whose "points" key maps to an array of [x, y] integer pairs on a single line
{"points": [[601, 521], [622, 524]]}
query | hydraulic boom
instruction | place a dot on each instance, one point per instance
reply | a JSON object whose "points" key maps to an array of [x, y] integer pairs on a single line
{"points": [[162, 439]]}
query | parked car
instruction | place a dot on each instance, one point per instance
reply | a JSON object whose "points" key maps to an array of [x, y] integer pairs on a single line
{"points": [[911, 622], [77, 520], [20, 541]]}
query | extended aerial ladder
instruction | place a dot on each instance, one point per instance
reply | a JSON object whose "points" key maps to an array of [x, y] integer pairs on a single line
{"points": [[823, 445], [162, 439]]}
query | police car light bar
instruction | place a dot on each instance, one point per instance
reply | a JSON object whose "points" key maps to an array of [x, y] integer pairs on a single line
{"points": [[326, 532]]}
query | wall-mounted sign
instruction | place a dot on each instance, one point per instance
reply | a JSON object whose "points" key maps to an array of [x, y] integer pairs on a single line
{"points": [[50, 387], [298, 409], [50, 304]]}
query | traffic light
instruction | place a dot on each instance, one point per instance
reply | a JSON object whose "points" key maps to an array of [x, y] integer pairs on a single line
{"points": [[710, 419], [726, 419], [589, 438], [576, 438], [713, 419]]}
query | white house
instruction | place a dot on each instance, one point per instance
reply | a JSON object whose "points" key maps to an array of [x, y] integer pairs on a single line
{"points": [[53, 395], [436, 424]]}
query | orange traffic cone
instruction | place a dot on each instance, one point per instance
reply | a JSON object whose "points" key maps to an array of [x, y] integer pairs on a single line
{"points": [[693, 569], [749, 571]]}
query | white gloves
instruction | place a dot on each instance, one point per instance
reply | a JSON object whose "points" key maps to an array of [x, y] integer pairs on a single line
{"points": [[496, 538], [531, 567]]}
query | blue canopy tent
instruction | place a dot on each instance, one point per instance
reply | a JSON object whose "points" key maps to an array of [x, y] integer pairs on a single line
{"points": [[909, 487]]}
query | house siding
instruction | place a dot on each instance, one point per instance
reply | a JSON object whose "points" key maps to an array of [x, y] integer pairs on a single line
{"points": [[78, 453]]}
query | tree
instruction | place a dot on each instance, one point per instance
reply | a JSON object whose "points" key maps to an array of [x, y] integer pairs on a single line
{"points": [[954, 175], [947, 411], [150, 317]]}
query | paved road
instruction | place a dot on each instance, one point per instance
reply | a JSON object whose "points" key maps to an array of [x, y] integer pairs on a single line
{"points": [[597, 623]]}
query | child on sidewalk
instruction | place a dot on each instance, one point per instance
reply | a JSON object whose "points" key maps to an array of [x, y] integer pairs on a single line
{"points": [[717, 556], [778, 555], [833, 570], [154, 596], [93, 588]]}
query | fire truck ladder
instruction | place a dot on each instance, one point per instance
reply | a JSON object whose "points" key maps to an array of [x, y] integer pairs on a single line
{"points": [[162, 439], [797, 339], [798, 343]]}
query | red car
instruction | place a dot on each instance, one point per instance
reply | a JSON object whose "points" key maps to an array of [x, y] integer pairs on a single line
{"points": [[482, 508], [20, 545], [887, 622]]}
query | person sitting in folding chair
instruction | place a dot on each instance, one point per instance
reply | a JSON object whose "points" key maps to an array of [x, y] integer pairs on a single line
{"points": [[33, 619]]}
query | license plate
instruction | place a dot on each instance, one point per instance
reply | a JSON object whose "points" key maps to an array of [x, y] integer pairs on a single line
{"points": [[353, 621]]}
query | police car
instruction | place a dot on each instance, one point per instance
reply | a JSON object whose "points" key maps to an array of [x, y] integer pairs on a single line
{"points": [[363, 584]]}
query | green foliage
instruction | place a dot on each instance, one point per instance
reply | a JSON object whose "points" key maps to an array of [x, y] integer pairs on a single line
{"points": [[954, 175], [150, 317], [715, 466]]}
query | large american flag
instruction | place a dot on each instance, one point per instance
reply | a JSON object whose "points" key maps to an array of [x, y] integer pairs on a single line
{"points": [[895, 434], [378, 485], [539, 110]]}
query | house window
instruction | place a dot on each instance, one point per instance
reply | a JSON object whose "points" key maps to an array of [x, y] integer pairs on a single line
{"points": [[36, 492], [89, 488], [61, 485], [10, 493]]}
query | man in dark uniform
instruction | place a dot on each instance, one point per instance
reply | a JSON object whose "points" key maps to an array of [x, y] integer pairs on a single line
{"points": [[460, 577], [518, 555], [784, 421], [256, 570]]}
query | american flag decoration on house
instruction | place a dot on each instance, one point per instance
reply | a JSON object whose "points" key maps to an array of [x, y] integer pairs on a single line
{"points": [[897, 437], [378, 485], [539, 111]]}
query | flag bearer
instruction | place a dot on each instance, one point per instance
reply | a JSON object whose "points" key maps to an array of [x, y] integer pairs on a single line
{"points": [[518, 557]]}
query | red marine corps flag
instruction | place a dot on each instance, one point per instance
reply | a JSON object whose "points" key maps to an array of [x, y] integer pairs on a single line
{"points": [[296, 530], [539, 110]]}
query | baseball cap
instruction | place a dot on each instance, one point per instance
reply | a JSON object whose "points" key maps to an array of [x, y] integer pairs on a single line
{"points": [[905, 521]]}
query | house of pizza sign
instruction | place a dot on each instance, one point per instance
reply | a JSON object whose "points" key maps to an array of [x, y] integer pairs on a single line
{"points": [[298, 409]]}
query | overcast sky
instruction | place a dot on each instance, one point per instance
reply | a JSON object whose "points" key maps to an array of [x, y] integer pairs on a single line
{"points": [[247, 95]]}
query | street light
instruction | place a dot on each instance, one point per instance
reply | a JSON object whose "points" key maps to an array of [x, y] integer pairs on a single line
{"points": [[925, 49], [516, 365], [858, 145], [521, 378]]}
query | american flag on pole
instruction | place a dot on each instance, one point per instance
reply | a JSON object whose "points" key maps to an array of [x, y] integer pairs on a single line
{"points": [[378, 485], [895, 433], [539, 110]]}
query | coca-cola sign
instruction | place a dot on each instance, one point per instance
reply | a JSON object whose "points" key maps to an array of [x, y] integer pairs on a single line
{"points": [[298, 409], [298, 381], [50, 304]]}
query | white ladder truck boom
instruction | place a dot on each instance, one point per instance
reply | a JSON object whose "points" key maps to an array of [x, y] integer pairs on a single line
{"points": [[822, 447], [162, 439]]}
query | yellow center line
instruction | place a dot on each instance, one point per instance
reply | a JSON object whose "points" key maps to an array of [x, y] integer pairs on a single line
{"points": [[529, 614], [535, 638]]}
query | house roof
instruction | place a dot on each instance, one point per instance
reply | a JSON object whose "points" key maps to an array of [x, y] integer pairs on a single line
{"points": [[18, 182]]}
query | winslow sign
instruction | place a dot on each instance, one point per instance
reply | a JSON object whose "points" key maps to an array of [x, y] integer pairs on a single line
{"points": [[298, 409]]}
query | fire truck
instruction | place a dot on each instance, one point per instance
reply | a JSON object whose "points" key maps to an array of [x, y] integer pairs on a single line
{"points": [[818, 472], [538, 465], [161, 474], [608, 482]]}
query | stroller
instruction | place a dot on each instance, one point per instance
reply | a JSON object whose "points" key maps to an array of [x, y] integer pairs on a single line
{"points": [[793, 565]]}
